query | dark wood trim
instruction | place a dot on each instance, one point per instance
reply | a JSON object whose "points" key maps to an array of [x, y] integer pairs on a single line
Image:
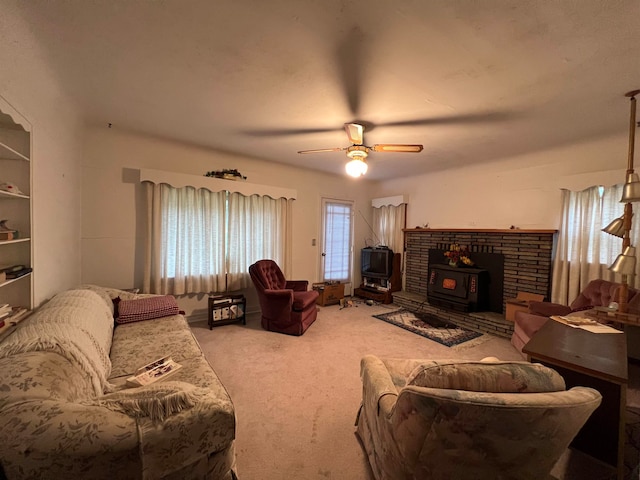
{"points": [[479, 230]]}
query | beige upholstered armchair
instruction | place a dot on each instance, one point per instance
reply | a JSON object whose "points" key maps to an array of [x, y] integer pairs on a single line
{"points": [[423, 419]]}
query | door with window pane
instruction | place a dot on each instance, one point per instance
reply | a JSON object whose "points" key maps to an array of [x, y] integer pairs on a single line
{"points": [[337, 241]]}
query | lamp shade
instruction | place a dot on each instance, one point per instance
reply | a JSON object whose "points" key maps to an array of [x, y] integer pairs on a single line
{"points": [[625, 263], [631, 189], [615, 228], [356, 168]]}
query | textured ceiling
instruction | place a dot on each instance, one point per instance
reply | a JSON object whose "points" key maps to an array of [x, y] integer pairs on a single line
{"points": [[472, 81]]}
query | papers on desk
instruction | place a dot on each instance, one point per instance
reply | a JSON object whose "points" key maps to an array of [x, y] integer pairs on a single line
{"points": [[584, 323]]}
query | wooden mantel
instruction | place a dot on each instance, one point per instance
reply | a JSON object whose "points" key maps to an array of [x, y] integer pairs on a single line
{"points": [[481, 230]]}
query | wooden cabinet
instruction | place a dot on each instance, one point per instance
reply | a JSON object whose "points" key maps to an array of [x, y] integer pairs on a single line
{"points": [[15, 205]]}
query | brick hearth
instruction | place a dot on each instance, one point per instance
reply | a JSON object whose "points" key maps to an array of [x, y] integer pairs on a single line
{"points": [[527, 268]]}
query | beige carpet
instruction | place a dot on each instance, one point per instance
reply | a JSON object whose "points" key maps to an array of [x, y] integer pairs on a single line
{"points": [[296, 398]]}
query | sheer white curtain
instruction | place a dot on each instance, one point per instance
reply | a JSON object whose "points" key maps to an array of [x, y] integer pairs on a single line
{"points": [[388, 222], [584, 252], [200, 241], [185, 240], [259, 228]]}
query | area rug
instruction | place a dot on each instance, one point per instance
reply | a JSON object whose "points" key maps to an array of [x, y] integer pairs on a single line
{"points": [[429, 326]]}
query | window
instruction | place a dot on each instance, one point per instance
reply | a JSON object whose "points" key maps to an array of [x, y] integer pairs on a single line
{"points": [[388, 222], [201, 241], [337, 240], [584, 252]]}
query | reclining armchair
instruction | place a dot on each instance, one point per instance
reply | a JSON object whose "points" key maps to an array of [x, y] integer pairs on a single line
{"points": [[597, 293], [287, 306], [462, 420]]}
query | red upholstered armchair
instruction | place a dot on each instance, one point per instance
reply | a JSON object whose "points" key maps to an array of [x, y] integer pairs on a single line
{"points": [[597, 293], [287, 306]]}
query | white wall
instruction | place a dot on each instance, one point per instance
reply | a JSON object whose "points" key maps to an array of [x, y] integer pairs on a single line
{"points": [[522, 191], [112, 243], [27, 83]]}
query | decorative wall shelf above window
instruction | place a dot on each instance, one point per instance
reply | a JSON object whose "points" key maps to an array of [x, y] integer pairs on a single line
{"points": [[179, 180]]}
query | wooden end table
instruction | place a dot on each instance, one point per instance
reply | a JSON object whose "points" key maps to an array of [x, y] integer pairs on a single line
{"points": [[591, 360]]}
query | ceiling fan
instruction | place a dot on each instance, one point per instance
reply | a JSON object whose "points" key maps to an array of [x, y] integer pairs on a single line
{"points": [[358, 152]]}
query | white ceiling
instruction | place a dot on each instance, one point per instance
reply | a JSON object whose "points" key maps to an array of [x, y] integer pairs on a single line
{"points": [[471, 80]]}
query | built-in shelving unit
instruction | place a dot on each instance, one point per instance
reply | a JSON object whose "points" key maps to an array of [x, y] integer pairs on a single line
{"points": [[16, 208]]}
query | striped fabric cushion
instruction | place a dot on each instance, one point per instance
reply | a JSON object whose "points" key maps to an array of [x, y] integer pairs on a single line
{"points": [[146, 308]]}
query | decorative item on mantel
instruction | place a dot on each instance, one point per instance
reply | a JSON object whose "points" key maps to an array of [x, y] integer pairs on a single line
{"points": [[625, 263], [227, 174], [458, 255]]}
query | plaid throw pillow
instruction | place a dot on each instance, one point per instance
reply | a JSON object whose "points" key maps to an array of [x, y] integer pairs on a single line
{"points": [[146, 308]]}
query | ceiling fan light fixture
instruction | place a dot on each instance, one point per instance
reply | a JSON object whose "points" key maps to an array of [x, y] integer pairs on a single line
{"points": [[356, 167], [357, 152]]}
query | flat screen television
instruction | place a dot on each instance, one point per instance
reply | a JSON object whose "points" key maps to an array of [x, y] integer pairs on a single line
{"points": [[376, 262]]}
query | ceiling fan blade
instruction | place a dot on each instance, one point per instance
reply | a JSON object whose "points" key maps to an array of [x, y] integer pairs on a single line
{"points": [[388, 147], [351, 61], [287, 131], [354, 132], [462, 119], [320, 150]]}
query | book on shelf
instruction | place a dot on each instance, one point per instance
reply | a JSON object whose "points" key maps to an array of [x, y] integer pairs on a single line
{"points": [[8, 234], [153, 372], [18, 273], [8, 323], [14, 316], [17, 315], [222, 300], [11, 268]]}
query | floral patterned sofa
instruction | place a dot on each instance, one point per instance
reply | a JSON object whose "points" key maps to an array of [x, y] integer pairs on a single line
{"points": [[66, 412], [462, 419]]}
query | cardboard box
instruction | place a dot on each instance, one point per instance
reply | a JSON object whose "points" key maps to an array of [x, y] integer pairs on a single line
{"points": [[330, 294], [520, 303]]}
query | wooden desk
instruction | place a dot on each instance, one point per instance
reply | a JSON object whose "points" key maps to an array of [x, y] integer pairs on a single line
{"points": [[591, 360]]}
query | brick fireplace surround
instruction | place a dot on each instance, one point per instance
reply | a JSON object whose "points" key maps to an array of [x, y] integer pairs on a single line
{"points": [[527, 268]]}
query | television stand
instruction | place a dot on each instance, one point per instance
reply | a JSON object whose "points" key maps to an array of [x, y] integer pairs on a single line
{"points": [[374, 294], [383, 296]]}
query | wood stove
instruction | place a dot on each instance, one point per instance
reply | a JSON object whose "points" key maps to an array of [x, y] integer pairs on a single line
{"points": [[466, 289], [459, 289]]}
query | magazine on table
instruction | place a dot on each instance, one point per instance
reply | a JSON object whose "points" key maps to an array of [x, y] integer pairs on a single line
{"points": [[153, 372]]}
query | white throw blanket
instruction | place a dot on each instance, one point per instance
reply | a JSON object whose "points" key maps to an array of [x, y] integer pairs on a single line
{"points": [[156, 401], [56, 338], [76, 324]]}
